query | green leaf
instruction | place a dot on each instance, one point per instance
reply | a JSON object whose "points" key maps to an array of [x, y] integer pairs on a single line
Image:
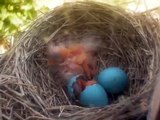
{"points": [[1, 25], [13, 29], [30, 1], [26, 7], [45, 9], [10, 7], [4, 13], [6, 22], [15, 20], [14, 14], [2, 2]]}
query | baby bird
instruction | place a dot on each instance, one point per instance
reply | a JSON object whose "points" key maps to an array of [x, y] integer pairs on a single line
{"points": [[84, 55], [73, 59], [70, 69], [57, 54]]}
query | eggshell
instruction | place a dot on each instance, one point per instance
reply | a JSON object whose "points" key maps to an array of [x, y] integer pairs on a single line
{"points": [[114, 80], [69, 85]]}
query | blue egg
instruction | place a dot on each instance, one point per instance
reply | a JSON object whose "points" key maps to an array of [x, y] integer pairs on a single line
{"points": [[94, 96], [114, 80]]}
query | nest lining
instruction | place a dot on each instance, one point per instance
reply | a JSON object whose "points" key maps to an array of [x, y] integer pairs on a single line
{"points": [[129, 41]]}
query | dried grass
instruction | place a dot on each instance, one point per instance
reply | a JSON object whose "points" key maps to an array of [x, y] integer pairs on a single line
{"points": [[128, 40]]}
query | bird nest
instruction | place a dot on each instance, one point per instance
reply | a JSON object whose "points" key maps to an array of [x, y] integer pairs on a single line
{"points": [[127, 40]]}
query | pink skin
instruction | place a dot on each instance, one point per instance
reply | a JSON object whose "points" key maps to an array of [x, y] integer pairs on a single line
{"points": [[70, 69], [77, 59]]}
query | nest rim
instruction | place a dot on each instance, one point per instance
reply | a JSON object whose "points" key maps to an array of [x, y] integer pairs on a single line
{"points": [[32, 88]]}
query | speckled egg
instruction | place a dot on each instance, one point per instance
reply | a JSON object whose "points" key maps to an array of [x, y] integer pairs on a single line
{"points": [[114, 80], [94, 96]]}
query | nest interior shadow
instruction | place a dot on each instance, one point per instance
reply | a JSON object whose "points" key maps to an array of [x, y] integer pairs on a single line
{"points": [[129, 41]]}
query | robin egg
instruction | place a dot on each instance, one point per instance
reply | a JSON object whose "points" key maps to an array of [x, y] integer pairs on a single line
{"points": [[94, 96], [114, 80]]}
